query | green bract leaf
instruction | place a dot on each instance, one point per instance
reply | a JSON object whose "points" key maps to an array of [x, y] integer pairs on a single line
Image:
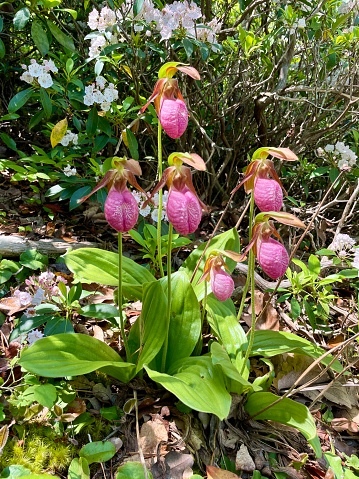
{"points": [[19, 100], [93, 265], [73, 355], [225, 241], [223, 321], [98, 451], [287, 412], [198, 384]]}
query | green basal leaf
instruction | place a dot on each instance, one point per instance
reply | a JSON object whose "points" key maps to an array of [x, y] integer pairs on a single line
{"points": [[72, 355], [79, 469], [225, 241], [286, 411], [132, 470], [98, 451], [153, 320], [92, 265], [270, 343], [198, 384], [185, 322]]}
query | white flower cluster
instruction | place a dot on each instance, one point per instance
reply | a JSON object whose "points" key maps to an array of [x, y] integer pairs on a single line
{"points": [[69, 138], [179, 15], [342, 244], [151, 209], [344, 247], [105, 24], [347, 156], [98, 93], [68, 171], [173, 17], [347, 6], [39, 73]]}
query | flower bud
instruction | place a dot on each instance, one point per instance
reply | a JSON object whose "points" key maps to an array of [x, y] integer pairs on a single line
{"points": [[183, 210], [268, 195], [173, 116], [121, 210], [272, 257], [222, 284]]}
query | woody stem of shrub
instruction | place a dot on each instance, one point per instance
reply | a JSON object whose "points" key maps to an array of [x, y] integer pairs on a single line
{"points": [[250, 279], [169, 294], [119, 297], [159, 249]]}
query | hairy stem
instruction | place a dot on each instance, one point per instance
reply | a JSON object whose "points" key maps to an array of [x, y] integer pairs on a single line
{"points": [[169, 295], [119, 297], [160, 168]]}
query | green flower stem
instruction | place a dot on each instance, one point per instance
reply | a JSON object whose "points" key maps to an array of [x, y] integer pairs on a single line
{"points": [[250, 279], [169, 294], [246, 286], [160, 169], [253, 321], [119, 297]]}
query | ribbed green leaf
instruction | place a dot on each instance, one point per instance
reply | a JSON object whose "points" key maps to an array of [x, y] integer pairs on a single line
{"points": [[287, 412], [73, 355], [93, 265], [198, 384]]}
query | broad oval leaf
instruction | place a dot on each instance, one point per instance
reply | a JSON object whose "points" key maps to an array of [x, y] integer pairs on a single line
{"points": [[93, 265], [98, 451], [270, 343], [286, 411], [73, 355], [133, 470], [198, 384]]}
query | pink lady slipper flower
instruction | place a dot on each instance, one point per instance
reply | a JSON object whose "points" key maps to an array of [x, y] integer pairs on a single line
{"points": [[170, 106], [271, 255], [184, 208], [121, 209], [222, 284], [268, 195]]}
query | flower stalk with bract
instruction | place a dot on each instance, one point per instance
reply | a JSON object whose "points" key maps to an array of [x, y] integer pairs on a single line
{"points": [[169, 103], [184, 208], [121, 210]]}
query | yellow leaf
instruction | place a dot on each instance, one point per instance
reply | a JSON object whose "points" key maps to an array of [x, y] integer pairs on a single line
{"points": [[127, 70], [58, 132]]}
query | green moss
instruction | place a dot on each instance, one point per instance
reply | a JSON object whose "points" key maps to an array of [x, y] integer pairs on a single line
{"points": [[38, 452]]}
